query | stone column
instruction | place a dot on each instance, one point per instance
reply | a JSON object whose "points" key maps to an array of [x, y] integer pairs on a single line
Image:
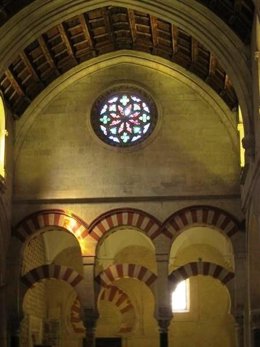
{"points": [[3, 316], [239, 328], [163, 312], [15, 332], [163, 329], [255, 325], [252, 302], [90, 320]]}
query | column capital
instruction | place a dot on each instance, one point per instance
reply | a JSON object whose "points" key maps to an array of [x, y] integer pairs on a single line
{"points": [[163, 313], [164, 325]]}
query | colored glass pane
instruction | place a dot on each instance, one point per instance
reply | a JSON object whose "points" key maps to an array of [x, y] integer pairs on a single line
{"points": [[124, 118]]}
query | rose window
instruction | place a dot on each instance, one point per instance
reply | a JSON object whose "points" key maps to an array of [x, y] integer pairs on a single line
{"points": [[124, 118]]}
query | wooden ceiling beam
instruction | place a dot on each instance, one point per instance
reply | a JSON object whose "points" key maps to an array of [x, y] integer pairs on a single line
{"points": [[30, 67], [47, 54], [212, 64], [108, 25], [194, 51], [66, 41], [132, 24], [154, 31], [16, 85], [85, 29], [29, 71], [174, 32]]}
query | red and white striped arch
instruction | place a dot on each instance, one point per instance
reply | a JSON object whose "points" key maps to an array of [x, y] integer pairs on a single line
{"points": [[201, 268], [200, 215], [50, 218], [114, 295], [118, 297], [55, 271], [115, 272], [125, 217], [121, 300], [76, 322]]}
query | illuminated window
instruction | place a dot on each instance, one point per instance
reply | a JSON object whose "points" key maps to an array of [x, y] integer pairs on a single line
{"points": [[124, 117], [180, 297], [2, 138], [240, 128]]}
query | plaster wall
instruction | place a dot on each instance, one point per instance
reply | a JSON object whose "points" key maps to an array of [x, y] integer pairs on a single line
{"points": [[190, 152]]}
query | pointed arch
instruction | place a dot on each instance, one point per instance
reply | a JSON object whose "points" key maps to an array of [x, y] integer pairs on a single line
{"points": [[201, 268], [50, 218], [125, 217], [117, 271], [200, 216]]}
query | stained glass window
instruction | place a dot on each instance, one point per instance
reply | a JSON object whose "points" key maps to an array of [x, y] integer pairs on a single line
{"points": [[124, 118]]}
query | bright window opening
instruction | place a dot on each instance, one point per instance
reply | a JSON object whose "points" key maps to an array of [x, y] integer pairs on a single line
{"points": [[180, 297], [240, 128]]}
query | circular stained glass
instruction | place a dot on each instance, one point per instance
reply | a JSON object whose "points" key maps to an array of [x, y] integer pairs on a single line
{"points": [[124, 118]]}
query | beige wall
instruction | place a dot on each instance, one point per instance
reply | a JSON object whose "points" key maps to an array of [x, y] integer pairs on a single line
{"points": [[190, 152], [192, 158]]}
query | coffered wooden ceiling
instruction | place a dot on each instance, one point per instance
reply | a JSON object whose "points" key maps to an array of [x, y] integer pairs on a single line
{"points": [[104, 30]]}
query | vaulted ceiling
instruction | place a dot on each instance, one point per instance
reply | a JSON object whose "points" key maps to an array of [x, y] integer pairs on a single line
{"points": [[238, 14], [108, 29]]}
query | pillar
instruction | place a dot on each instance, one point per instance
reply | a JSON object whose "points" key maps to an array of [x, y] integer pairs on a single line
{"points": [[15, 332], [239, 329], [90, 320], [253, 277], [163, 312], [90, 314], [3, 317], [255, 324], [163, 329]]}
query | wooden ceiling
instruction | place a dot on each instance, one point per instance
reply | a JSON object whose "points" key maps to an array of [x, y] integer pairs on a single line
{"points": [[98, 32], [238, 14]]}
